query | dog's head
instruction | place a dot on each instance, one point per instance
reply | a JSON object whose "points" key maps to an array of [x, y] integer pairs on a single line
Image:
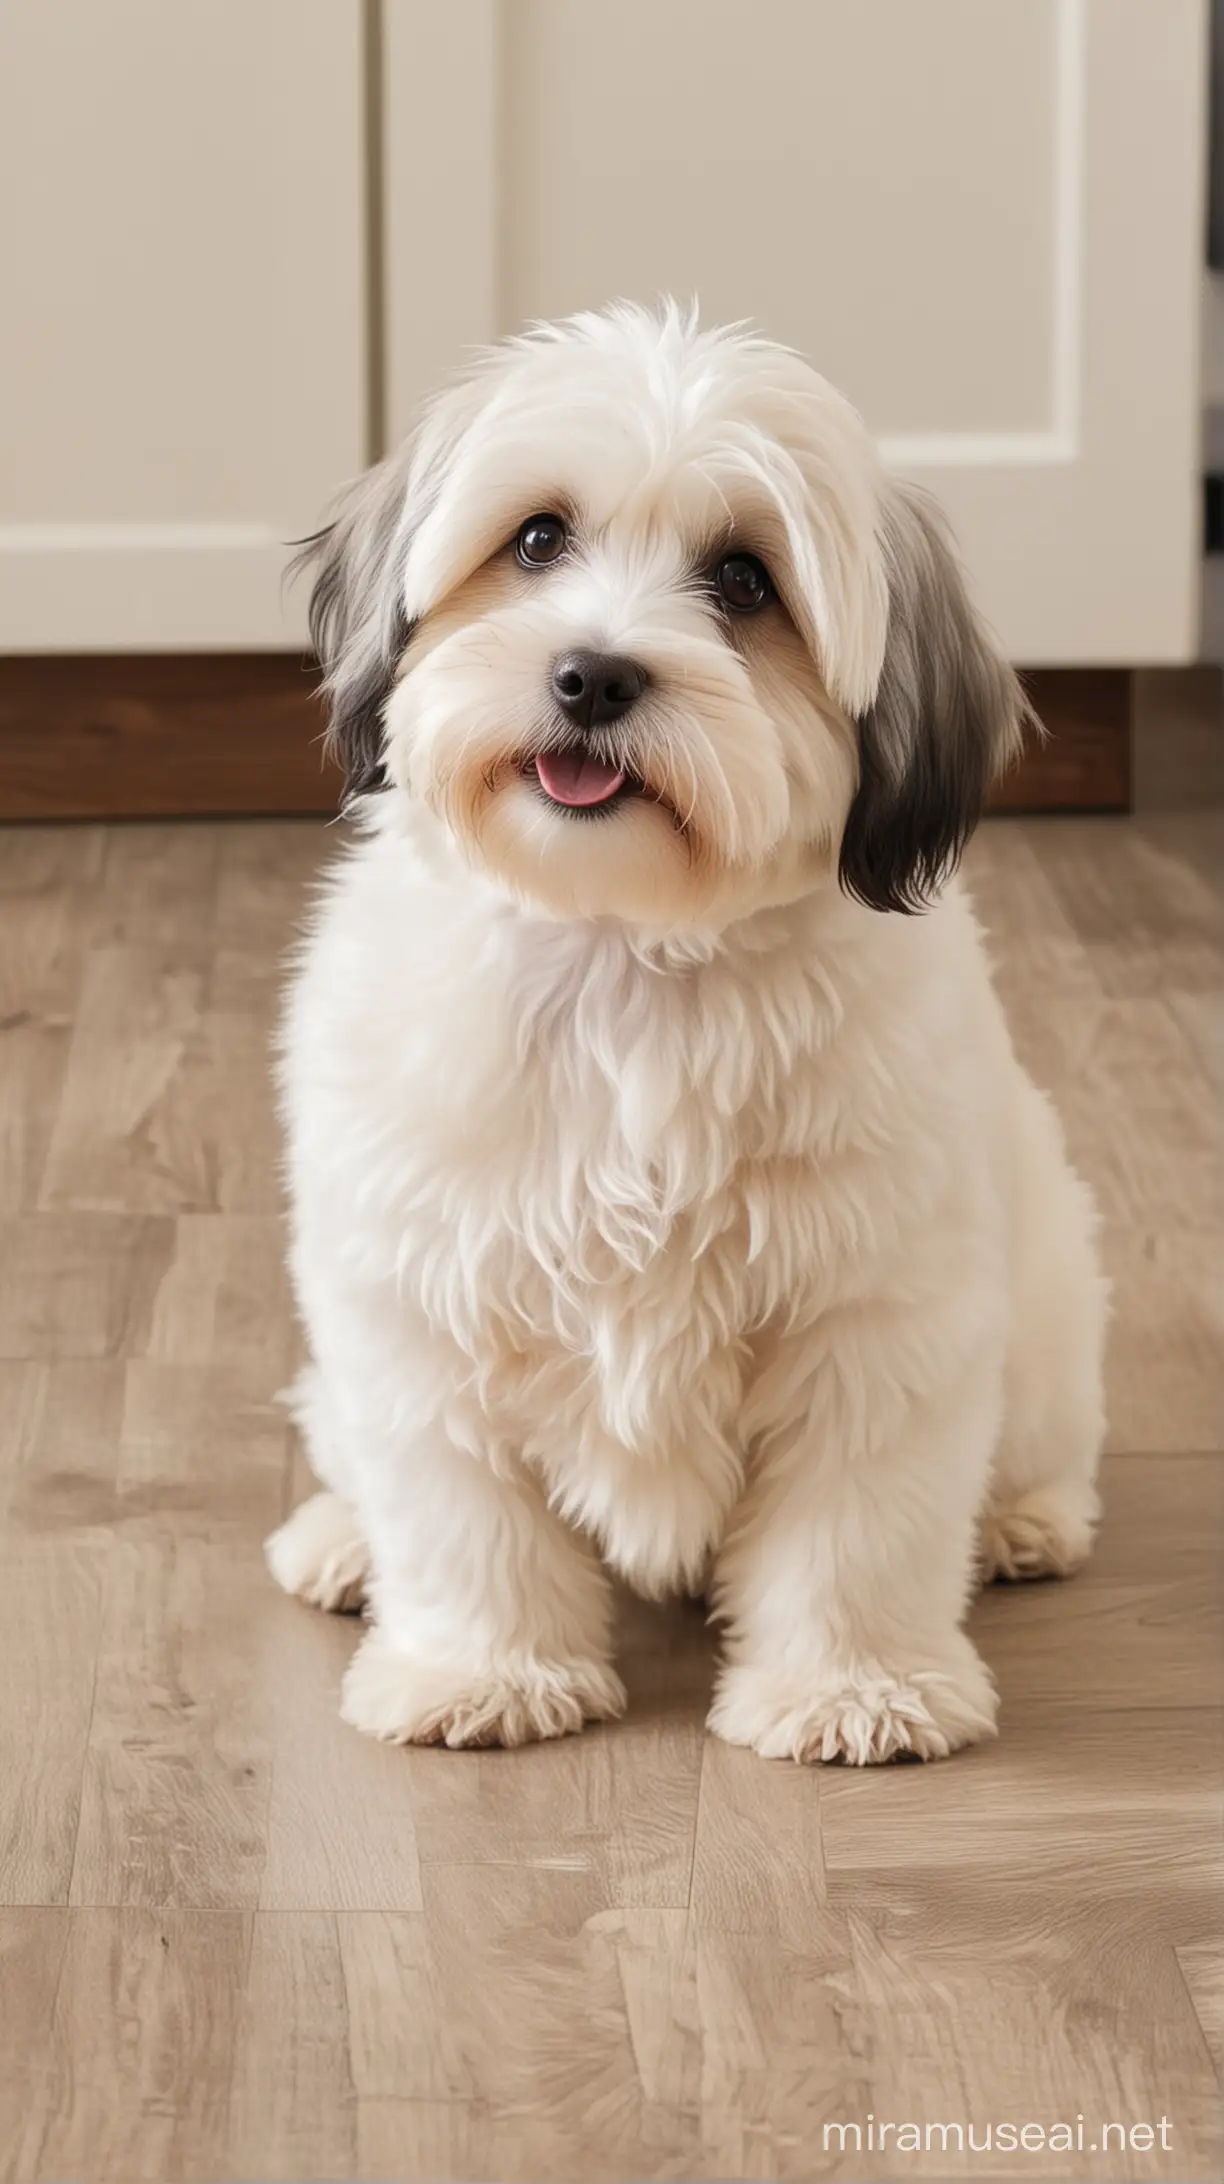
{"points": [[637, 615]]}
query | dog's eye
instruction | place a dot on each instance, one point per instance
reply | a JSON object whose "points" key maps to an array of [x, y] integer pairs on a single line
{"points": [[742, 583], [541, 540]]}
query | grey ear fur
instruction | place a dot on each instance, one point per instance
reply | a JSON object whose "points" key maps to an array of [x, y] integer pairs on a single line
{"points": [[949, 714], [358, 626]]}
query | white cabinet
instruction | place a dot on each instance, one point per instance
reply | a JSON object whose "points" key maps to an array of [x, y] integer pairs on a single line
{"points": [[183, 364], [982, 218]]}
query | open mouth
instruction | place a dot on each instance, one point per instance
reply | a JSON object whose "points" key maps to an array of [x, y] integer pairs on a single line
{"points": [[576, 780]]}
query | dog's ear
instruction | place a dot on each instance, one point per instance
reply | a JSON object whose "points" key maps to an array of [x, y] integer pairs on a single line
{"points": [[947, 716], [358, 625]]}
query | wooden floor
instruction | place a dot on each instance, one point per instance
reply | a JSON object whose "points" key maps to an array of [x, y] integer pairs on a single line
{"points": [[238, 1941]]}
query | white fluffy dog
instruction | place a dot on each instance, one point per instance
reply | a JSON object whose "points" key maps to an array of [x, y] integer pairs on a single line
{"points": [[666, 1200]]}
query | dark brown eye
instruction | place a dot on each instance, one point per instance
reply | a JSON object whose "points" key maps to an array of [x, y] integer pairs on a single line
{"points": [[541, 540], [742, 583]]}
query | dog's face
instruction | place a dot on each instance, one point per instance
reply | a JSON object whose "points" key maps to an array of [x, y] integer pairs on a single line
{"points": [[636, 615]]}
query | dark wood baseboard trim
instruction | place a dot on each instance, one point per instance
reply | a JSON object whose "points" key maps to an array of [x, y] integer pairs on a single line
{"points": [[1085, 763], [161, 735], [175, 735]]}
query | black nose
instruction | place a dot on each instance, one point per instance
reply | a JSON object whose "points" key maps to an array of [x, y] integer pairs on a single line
{"points": [[595, 686]]}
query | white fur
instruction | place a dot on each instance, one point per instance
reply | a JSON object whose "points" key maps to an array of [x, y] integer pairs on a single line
{"points": [[648, 1217]]}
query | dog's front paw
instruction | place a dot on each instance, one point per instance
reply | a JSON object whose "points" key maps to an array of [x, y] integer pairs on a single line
{"points": [[320, 1556], [864, 1717], [1044, 1533], [405, 1700]]}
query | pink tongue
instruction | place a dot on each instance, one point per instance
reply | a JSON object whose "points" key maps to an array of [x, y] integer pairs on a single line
{"points": [[573, 777]]}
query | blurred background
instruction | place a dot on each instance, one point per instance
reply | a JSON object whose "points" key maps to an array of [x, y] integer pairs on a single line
{"points": [[243, 238]]}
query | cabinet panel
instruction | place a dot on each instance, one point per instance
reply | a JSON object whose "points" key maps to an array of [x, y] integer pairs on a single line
{"points": [[184, 378], [805, 167], [982, 218]]}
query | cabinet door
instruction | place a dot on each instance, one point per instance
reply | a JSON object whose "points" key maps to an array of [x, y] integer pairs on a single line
{"points": [[981, 218], [183, 374]]}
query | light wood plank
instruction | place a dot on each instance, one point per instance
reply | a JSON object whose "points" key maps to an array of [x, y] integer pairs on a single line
{"points": [[1202, 1968], [1138, 1113], [292, 2109], [1201, 1021], [165, 1104], [50, 1613], [77, 1287], [341, 1824], [760, 1863], [1165, 1361], [225, 1298], [48, 884], [1141, 1625], [59, 1437], [1147, 917], [176, 1783], [33, 1944], [1002, 2005], [135, 2064], [158, 890], [620, 1806], [1127, 1779]]}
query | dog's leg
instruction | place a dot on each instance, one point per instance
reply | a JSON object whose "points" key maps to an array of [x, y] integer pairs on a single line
{"points": [[492, 1619], [849, 1563], [310, 1404], [1043, 1503], [319, 1554]]}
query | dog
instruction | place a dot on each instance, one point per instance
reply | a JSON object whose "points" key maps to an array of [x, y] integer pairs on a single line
{"points": [[667, 1199]]}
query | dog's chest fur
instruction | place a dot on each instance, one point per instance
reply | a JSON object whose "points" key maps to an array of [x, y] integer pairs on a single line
{"points": [[606, 1172], [634, 1200], [607, 1178]]}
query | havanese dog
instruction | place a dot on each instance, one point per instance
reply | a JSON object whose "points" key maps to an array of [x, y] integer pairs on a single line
{"points": [[667, 1198]]}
